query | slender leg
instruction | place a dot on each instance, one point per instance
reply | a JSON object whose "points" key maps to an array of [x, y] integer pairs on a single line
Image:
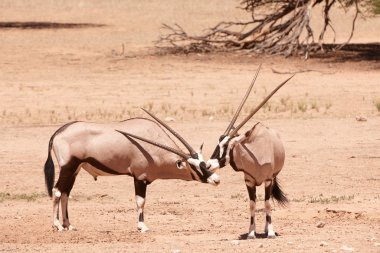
{"points": [[64, 185], [268, 211], [65, 202], [140, 192], [252, 207], [56, 200], [65, 213]]}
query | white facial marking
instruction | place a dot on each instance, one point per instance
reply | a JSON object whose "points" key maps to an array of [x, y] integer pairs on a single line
{"points": [[213, 164], [222, 144], [194, 162], [213, 179], [200, 156]]}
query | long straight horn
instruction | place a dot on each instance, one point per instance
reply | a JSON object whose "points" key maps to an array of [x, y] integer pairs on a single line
{"points": [[242, 103], [175, 151], [258, 107], [187, 145]]}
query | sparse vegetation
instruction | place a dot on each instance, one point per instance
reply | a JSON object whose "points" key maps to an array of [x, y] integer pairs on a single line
{"points": [[332, 199], [164, 109], [302, 106], [377, 104], [6, 196], [237, 196]]}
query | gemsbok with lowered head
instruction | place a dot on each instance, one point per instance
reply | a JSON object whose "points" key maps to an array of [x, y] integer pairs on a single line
{"points": [[106, 150], [259, 154]]}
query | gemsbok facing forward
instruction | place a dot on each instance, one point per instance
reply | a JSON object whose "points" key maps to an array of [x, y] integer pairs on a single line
{"points": [[102, 151], [259, 154]]}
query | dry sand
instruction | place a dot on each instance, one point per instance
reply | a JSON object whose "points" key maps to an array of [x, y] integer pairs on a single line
{"points": [[52, 76]]}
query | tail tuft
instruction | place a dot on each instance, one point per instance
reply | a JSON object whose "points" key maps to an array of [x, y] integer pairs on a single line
{"points": [[278, 194]]}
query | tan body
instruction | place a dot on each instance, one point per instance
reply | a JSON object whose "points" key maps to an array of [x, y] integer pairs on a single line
{"points": [[121, 155], [101, 150], [261, 156]]}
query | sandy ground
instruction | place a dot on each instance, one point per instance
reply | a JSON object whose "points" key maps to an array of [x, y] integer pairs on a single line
{"points": [[52, 76]]}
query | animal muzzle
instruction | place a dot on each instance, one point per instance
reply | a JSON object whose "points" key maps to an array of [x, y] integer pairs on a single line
{"points": [[213, 179], [206, 175]]}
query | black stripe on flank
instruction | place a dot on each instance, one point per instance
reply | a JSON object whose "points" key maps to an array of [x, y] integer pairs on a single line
{"points": [[102, 167], [232, 162]]}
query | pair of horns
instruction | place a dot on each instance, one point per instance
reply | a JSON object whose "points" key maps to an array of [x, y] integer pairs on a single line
{"points": [[180, 138], [230, 126]]}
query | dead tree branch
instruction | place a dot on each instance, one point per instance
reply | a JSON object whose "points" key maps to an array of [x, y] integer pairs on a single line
{"points": [[279, 27]]}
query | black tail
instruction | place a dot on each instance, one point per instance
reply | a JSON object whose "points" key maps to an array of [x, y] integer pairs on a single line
{"points": [[49, 169], [278, 194]]}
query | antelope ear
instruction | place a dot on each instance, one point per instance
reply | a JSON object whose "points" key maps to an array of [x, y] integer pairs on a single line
{"points": [[180, 164], [240, 138]]}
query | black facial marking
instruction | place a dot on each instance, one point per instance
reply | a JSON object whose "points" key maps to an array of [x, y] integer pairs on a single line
{"points": [[205, 171], [251, 220], [216, 153], [221, 138], [198, 173]]}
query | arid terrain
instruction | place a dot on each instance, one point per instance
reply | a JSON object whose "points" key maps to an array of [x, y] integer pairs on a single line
{"points": [[327, 117]]}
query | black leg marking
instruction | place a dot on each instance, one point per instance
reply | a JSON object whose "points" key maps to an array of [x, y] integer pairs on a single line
{"points": [[141, 217], [252, 207], [268, 191], [269, 219], [140, 192], [67, 176], [140, 188], [252, 193]]}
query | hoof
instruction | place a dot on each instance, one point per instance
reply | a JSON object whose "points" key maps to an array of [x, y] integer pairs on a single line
{"points": [[142, 228], [251, 235], [58, 226], [271, 235], [72, 228]]}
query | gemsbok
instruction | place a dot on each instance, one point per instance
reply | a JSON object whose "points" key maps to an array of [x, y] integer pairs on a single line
{"points": [[105, 150], [259, 154]]}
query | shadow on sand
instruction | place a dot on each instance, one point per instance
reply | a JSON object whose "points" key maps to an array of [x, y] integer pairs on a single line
{"points": [[45, 25]]}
